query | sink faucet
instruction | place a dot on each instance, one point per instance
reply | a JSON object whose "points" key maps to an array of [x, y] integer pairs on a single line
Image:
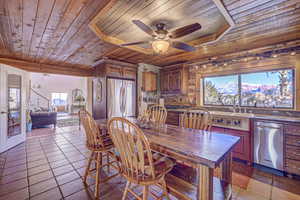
{"points": [[235, 104]]}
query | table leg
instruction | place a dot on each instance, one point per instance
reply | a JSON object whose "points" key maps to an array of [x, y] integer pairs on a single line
{"points": [[226, 176], [205, 183]]}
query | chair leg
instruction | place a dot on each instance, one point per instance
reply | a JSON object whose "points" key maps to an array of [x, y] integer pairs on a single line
{"points": [[101, 159], [107, 161], [165, 190], [98, 168], [88, 167], [145, 192], [126, 190]]}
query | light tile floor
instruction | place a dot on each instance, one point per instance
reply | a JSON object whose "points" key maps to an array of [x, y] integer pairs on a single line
{"points": [[50, 165]]}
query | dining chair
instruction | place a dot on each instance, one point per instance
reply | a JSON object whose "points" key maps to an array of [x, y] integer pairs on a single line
{"points": [[195, 120], [157, 114], [137, 162], [201, 120], [100, 144]]}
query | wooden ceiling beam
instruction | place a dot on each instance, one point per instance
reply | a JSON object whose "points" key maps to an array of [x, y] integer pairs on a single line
{"points": [[46, 68], [226, 48]]}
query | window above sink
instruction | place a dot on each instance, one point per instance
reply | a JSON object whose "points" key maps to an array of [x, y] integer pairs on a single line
{"points": [[268, 89]]}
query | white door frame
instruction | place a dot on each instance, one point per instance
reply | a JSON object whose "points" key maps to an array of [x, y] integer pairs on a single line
{"points": [[5, 142]]}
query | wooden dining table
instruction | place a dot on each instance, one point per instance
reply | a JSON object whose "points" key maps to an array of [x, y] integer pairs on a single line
{"points": [[202, 150]]}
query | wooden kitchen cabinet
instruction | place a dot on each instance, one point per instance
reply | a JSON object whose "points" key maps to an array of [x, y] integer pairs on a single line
{"points": [[292, 148], [149, 82], [174, 80], [173, 118], [243, 149]]}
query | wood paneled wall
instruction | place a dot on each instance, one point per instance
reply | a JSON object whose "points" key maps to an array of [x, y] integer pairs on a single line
{"points": [[297, 78]]}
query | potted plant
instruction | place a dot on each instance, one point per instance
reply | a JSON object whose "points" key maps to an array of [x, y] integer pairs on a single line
{"points": [[28, 121], [80, 99]]}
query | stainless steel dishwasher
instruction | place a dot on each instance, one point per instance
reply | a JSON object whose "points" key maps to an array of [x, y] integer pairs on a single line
{"points": [[268, 144]]}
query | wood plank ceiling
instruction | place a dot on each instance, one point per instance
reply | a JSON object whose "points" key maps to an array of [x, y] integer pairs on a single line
{"points": [[56, 32]]}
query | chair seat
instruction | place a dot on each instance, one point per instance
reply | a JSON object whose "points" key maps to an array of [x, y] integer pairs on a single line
{"points": [[107, 144], [162, 164]]}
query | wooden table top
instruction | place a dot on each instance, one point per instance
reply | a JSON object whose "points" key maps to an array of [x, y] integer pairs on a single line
{"points": [[195, 146]]}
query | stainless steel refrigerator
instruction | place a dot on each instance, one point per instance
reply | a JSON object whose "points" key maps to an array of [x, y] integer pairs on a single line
{"points": [[121, 98]]}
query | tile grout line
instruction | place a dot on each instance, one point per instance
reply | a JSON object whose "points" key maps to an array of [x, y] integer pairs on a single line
{"points": [[51, 171], [70, 163], [272, 186], [27, 171]]}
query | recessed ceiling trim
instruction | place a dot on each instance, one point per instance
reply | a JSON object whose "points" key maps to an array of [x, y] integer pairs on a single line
{"points": [[196, 42]]}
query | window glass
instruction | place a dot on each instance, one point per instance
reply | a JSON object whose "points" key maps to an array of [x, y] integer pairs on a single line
{"points": [[221, 90], [267, 89], [59, 99]]}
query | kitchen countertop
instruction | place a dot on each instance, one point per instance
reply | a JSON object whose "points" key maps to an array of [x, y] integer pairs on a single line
{"points": [[247, 115]]}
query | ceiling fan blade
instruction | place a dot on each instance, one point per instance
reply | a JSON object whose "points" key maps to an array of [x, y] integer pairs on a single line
{"points": [[183, 46], [134, 43], [144, 27], [180, 32]]}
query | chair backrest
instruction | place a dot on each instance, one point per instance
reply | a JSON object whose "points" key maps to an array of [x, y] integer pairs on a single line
{"points": [[157, 114], [133, 149], [93, 135], [196, 120]]}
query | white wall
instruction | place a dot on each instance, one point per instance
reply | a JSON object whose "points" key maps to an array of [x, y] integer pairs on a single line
{"points": [[51, 83]]}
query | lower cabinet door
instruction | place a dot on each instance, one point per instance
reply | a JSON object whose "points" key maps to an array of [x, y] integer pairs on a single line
{"points": [[242, 149], [173, 118], [292, 166]]}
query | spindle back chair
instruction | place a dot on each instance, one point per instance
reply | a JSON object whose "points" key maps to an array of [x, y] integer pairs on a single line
{"points": [[137, 162], [196, 120], [157, 114], [99, 144]]}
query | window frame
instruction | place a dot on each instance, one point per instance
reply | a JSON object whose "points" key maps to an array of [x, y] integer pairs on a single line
{"points": [[203, 83], [240, 89]]}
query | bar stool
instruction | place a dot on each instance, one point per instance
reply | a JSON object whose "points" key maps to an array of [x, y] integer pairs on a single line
{"points": [[99, 144]]}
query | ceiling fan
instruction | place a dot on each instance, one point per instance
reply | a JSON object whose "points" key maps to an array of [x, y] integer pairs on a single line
{"points": [[163, 39]]}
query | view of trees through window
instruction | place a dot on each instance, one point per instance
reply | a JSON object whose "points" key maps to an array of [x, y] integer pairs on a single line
{"points": [[262, 89], [221, 90]]}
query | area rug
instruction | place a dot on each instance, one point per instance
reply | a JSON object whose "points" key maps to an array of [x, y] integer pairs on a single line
{"points": [[73, 121]]}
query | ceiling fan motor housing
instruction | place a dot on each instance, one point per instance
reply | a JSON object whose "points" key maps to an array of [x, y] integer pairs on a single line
{"points": [[161, 31]]}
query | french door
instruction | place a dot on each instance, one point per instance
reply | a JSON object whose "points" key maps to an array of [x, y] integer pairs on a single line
{"points": [[13, 84]]}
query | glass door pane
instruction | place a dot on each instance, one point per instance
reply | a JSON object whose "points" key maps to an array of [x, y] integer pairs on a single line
{"points": [[14, 105]]}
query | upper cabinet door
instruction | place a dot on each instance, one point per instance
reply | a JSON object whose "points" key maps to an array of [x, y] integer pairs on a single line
{"points": [[14, 83], [149, 81], [174, 80]]}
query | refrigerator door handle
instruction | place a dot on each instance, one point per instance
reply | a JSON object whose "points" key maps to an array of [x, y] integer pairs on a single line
{"points": [[122, 100]]}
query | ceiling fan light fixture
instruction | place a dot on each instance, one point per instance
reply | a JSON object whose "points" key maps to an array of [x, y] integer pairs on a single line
{"points": [[160, 46]]}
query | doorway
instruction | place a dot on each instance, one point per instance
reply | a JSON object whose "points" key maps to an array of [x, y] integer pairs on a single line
{"points": [[12, 106]]}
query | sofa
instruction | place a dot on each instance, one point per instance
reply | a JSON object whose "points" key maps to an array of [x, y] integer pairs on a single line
{"points": [[40, 119]]}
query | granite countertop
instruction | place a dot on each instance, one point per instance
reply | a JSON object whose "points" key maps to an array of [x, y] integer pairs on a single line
{"points": [[247, 115]]}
